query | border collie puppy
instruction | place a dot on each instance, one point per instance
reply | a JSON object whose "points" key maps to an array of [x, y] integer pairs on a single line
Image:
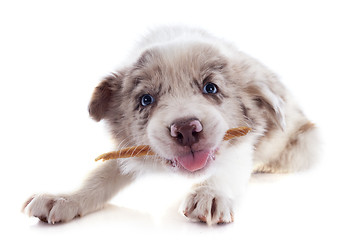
{"points": [[179, 92]]}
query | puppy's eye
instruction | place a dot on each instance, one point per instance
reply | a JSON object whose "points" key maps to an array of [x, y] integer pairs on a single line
{"points": [[146, 99], [210, 88]]}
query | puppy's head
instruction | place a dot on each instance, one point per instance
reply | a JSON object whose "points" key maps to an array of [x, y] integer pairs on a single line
{"points": [[180, 100]]}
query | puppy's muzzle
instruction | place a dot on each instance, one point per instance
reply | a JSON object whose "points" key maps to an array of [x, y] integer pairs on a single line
{"points": [[186, 132]]}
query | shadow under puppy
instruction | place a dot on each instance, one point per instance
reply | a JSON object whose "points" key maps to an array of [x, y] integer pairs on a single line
{"points": [[179, 92]]}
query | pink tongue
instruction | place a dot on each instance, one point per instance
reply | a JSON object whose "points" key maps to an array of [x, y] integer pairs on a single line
{"points": [[194, 161]]}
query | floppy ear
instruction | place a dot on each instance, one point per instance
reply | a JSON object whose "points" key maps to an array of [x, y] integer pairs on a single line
{"points": [[102, 96], [266, 98]]}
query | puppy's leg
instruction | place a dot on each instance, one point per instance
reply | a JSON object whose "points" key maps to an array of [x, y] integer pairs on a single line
{"points": [[298, 150], [214, 200], [101, 185]]}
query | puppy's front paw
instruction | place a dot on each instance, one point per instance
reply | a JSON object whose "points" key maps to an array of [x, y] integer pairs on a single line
{"points": [[205, 205], [52, 209]]}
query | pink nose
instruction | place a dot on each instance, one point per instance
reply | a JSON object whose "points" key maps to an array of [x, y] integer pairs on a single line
{"points": [[186, 132]]}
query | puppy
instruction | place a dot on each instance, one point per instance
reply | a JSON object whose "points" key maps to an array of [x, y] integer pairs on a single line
{"points": [[179, 92]]}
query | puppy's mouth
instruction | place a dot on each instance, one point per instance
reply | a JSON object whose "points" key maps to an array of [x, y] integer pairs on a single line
{"points": [[193, 161]]}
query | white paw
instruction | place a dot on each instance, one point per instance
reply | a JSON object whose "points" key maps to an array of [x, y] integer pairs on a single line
{"points": [[205, 205], [52, 209]]}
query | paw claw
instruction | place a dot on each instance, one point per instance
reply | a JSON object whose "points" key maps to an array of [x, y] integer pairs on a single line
{"points": [[202, 219]]}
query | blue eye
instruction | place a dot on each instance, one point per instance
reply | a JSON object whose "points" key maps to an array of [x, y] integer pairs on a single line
{"points": [[146, 99], [210, 88]]}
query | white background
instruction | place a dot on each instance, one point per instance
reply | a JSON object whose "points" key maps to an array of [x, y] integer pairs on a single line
{"points": [[53, 53]]}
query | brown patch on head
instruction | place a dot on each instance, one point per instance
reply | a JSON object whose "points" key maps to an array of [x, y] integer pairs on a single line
{"points": [[146, 68], [144, 59], [100, 102]]}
